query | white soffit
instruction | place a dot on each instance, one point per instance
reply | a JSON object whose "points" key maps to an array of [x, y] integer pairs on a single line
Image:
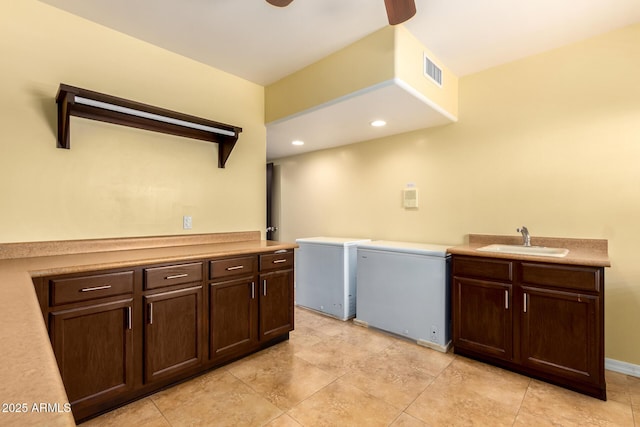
{"points": [[347, 120]]}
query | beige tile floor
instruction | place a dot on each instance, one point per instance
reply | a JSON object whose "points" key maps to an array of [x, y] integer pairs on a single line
{"points": [[333, 373]]}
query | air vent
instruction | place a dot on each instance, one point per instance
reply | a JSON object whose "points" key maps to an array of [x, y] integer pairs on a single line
{"points": [[432, 71]]}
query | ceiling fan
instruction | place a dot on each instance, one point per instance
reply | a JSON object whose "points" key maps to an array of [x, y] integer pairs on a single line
{"points": [[398, 11]]}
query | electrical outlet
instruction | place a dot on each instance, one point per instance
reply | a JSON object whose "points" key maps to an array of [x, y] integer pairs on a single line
{"points": [[186, 222], [434, 333]]}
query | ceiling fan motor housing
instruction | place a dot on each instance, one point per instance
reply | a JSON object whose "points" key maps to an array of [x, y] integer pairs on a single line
{"points": [[398, 11]]}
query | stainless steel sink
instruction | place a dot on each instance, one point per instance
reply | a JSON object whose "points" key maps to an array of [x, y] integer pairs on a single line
{"points": [[525, 250]]}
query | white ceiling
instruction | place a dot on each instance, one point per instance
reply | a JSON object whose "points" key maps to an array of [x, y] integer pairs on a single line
{"points": [[263, 43]]}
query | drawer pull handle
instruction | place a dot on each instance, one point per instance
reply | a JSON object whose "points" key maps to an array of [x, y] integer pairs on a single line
{"points": [[236, 267], [278, 261], [176, 276], [506, 299], [95, 288]]}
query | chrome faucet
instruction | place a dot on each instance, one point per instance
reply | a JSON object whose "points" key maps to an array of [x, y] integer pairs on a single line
{"points": [[526, 238]]}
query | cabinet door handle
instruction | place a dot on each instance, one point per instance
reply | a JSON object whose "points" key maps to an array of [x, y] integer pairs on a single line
{"points": [[129, 318], [95, 288], [176, 276], [253, 290], [264, 287], [525, 302], [236, 267], [278, 261], [506, 299], [151, 313]]}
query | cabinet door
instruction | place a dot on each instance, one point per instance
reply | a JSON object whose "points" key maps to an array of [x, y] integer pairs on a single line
{"points": [[276, 304], [559, 333], [93, 346], [482, 317], [173, 328], [234, 320]]}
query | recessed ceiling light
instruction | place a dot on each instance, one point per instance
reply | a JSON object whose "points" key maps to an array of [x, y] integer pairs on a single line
{"points": [[297, 142], [378, 123]]}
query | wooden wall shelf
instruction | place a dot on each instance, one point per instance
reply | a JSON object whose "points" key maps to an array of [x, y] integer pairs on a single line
{"points": [[74, 101]]}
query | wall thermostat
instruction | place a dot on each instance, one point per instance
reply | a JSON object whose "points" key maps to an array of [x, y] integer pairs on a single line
{"points": [[410, 197]]}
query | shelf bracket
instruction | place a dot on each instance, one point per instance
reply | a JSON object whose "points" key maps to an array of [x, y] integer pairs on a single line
{"points": [[74, 101]]}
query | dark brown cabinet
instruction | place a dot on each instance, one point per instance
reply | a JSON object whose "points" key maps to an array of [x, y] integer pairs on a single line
{"points": [[122, 334], [559, 333], [173, 325], [541, 319], [276, 294], [94, 350], [92, 337], [233, 307], [234, 313], [483, 317], [276, 304], [251, 302], [172, 332]]}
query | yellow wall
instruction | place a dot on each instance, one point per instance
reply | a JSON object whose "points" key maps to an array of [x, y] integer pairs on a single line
{"points": [[117, 181], [409, 67], [551, 142], [387, 54], [360, 65]]}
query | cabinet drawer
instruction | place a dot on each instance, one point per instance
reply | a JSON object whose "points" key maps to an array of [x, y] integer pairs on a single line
{"points": [[233, 267], [280, 261], [578, 278], [64, 291], [484, 268], [159, 277]]}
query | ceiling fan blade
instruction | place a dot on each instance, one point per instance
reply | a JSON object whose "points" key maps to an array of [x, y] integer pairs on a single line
{"points": [[399, 11], [279, 3]]}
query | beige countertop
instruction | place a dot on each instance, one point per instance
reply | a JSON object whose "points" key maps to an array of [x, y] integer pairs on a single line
{"points": [[589, 252], [29, 373]]}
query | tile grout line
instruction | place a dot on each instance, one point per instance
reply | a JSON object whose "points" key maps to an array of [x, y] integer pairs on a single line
{"points": [[323, 370], [356, 369], [309, 397], [391, 344], [524, 396], [282, 412], [159, 410], [404, 411], [286, 412]]}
